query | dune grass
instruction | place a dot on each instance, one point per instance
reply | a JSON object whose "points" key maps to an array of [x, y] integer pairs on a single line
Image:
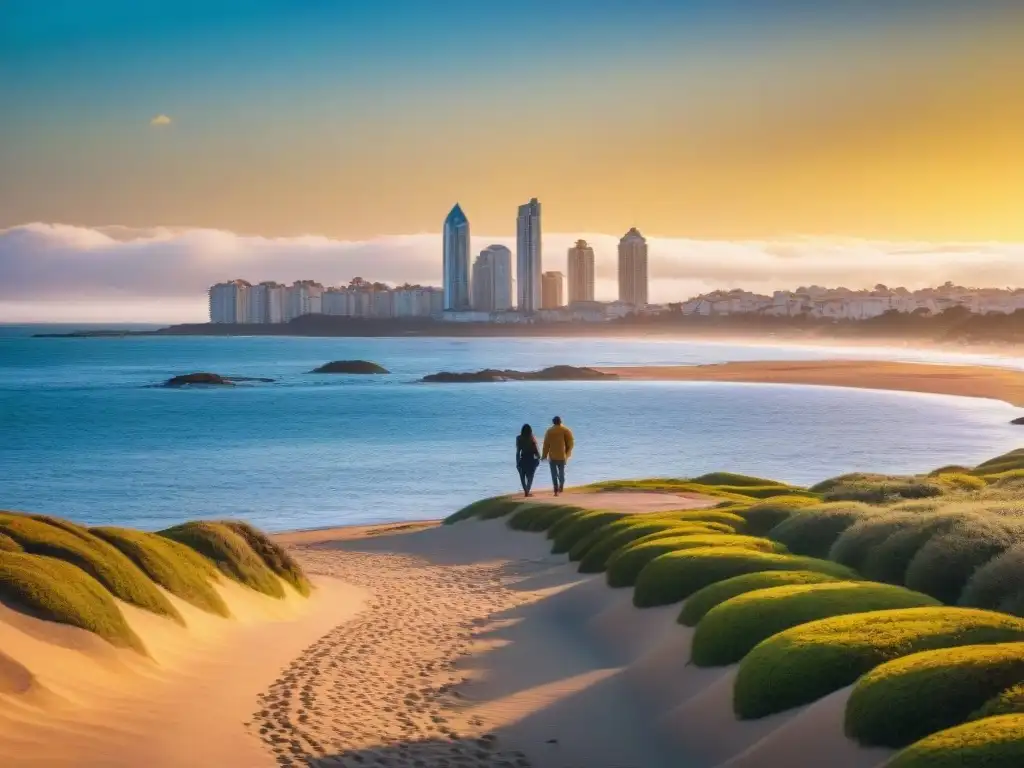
{"points": [[734, 479], [484, 509], [104, 562], [578, 527], [816, 529], [810, 661], [703, 600], [230, 552], [905, 700], [765, 515], [873, 488], [999, 584], [1009, 702], [7, 544], [729, 631], [960, 481], [1005, 462], [537, 517], [675, 576], [995, 742], [626, 564], [55, 590], [180, 570], [273, 555]]}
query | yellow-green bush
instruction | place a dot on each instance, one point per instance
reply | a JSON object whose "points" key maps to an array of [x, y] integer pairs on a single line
{"points": [[56, 590], [888, 560], [810, 661], [815, 529], [856, 544], [230, 552], [7, 544], [907, 699], [484, 509], [703, 600], [730, 631], [105, 563], [734, 479], [960, 481], [999, 584], [626, 564], [178, 569], [539, 516], [765, 515], [578, 528], [276, 558], [995, 742], [675, 576], [1009, 702]]}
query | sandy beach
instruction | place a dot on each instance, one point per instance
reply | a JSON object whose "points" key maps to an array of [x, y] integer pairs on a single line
{"points": [[962, 380], [423, 645]]}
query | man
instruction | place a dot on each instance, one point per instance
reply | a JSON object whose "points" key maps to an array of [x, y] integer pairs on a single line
{"points": [[558, 444]]}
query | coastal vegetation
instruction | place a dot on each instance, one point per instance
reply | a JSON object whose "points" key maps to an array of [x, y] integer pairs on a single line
{"points": [[57, 570], [909, 588]]}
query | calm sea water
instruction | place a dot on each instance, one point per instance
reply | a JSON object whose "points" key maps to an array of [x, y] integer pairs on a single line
{"points": [[82, 434]]}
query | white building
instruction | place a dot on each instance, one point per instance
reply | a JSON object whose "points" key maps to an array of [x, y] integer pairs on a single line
{"points": [[492, 279], [528, 256], [580, 263], [229, 302], [304, 297], [633, 269]]}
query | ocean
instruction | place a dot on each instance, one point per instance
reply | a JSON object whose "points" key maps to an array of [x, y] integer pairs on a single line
{"points": [[83, 434]]}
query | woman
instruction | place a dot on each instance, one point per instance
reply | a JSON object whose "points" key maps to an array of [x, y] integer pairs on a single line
{"points": [[527, 457]]}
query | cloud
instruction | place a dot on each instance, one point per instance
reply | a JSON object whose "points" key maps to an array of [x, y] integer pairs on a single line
{"points": [[64, 272], [160, 120]]}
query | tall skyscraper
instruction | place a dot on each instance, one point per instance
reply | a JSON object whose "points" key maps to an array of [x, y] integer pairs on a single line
{"points": [[492, 279], [552, 290], [581, 272], [633, 269], [528, 256], [457, 282]]}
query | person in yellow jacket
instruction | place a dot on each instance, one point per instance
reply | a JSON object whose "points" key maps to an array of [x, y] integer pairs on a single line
{"points": [[558, 445]]}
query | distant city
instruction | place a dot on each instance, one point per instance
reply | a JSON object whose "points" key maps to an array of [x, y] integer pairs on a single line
{"points": [[487, 292]]}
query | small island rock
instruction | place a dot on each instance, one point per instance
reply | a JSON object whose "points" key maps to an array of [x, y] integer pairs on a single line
{"points": [[204, 379], [351, 366], [1018, 420], [554, 373]]}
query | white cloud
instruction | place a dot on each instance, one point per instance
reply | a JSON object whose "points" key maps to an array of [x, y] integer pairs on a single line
{"points": [[56, 271], [160, 120]]}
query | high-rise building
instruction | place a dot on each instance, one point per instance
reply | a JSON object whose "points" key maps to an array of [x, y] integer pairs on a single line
{"points": [[528, 256], [229, 302], [633, 269], [457, 282], [581, 272], [552, 290], [492, 279], [303, 297]]}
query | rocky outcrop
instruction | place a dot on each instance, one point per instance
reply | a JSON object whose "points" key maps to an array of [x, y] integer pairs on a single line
{"points": [[554, 373], [1018, 420], [361, 367], [204, 379]]}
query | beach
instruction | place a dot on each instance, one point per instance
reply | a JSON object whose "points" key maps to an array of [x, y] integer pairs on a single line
{"points": [[423, 645], [988, 382]]}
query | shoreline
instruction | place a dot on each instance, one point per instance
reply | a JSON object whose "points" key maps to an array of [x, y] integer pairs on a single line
{"points": [[978, 381]]}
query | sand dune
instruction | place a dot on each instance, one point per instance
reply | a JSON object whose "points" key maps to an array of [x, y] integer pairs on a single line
{"points": [[424, 645]]}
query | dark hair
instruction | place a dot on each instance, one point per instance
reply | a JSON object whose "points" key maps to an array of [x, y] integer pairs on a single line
{"points": [[527, 431], [556, 420]]}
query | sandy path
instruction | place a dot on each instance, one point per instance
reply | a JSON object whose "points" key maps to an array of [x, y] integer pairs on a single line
{"points": [[963, 380], [468, 654]]}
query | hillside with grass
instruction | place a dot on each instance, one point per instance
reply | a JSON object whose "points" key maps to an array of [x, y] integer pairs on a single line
{"points": [[903, 593], [59, 571]]}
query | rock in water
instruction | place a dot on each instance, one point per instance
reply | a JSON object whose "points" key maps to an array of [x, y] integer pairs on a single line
{"points": [[350, 366], [1018, 420], [205, 379], [554, 373]]}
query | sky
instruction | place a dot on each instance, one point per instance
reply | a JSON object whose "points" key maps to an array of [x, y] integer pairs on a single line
{"points": [[226, 133]]}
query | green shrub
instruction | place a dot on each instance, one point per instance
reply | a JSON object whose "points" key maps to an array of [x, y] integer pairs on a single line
{"points": [[804, 663], [883, 490], [904, 700], [581, 527], [1009, 702], [105, 563], [960, 481], [595, 549], [276, 557], [995, 742], [815, 529], [565, 521], [943, 566], [855, 545], [765, 515], [682, 529], [675, 576], [765, 491], [55, 590], [703, 600], [181, 571], [825, 486], [496, 506], [731, 478], [999, 584], [721, 516], [230, 552], [730, 631], [625, 565], [538, 517], [888, 561]]}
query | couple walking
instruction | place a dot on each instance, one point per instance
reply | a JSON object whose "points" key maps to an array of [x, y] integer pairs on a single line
{"points": [[558, 445]]}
